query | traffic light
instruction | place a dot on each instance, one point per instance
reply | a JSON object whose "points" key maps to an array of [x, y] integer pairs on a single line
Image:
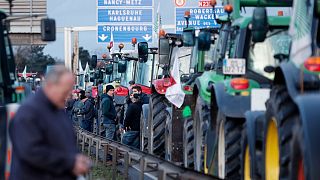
{"points": [[93, 62], [143, 51], [48, 29]]}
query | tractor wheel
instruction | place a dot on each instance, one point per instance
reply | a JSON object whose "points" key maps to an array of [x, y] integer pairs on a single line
{"points": [[160, 115], [246, 166], [168, 139], [229, 147], [298, 165], [188, 140], [143, 133], [281, 116], [249, 170], [200, 123], [209, 151]]}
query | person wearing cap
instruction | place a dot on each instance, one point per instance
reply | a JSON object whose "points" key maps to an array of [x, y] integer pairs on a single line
{"points": [[109, 112]]}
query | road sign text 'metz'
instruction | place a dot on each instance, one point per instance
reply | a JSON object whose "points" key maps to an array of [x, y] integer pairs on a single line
{"points": [[125, 19], [125, 3]]}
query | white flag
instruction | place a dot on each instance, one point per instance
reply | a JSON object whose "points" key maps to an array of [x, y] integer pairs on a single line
{"points": [[24, 73], [300, 31], [157, 25], [174, 93], [80, 68]]}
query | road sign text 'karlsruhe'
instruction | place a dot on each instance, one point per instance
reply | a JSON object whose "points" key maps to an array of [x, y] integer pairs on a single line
{"points": [[125, 19]]}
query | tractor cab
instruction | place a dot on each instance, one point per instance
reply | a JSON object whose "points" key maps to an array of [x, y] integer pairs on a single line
{"points": [[170, 49]]}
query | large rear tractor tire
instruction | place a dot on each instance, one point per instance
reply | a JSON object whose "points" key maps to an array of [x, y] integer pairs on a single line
{"points": [[298, 166], [209, 152], [158, 111], [168, 139], [200, 124], [188, 141], [229, 147], [281, 116], [251, 159]]}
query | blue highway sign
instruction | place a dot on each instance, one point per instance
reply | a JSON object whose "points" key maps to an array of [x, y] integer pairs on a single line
{"points": [[125, 3], [136, 15], [124, 33], [200, 17]]}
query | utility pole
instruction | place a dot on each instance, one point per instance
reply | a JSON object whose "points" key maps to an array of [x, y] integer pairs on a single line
{"points": [[67, 48], [67, 43], [75, 59]]}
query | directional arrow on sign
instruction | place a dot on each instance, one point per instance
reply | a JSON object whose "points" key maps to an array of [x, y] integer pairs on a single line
{"points": [[103, 37], [147, 37]]}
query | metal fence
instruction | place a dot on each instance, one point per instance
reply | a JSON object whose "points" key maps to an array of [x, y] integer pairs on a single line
{"points": [[123, 157]]}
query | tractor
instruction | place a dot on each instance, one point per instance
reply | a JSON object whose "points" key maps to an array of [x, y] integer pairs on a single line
{"points": [[178, 144], [156, 118], [218, 137], [116, 70], [281, 142]]}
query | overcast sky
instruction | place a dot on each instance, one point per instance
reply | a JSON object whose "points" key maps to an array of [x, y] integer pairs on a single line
{"points": [[72, 13]]}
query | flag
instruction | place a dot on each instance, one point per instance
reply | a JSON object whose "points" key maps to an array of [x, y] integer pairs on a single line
{"points": [[80, 68], [111, 43], [86, 73], [174, 93], [157, 24], [24, 73], [87, 70], [300, 31]]}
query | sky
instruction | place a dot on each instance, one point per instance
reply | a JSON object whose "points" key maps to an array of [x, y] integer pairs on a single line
{"points": [[73, 13]]}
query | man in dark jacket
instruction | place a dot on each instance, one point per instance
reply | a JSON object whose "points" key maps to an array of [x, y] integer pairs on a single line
{"points": [[132, 122], [144, 98], [88, 113], [109, 112], [77, 117], [69, 106], [44, 144]]}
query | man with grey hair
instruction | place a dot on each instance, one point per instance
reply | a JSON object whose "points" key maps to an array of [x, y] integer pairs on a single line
{"points": [[44, 145]]}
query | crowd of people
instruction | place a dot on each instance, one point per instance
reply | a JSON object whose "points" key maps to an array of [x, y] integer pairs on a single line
{"points": [[84, 109], [42, 133]]}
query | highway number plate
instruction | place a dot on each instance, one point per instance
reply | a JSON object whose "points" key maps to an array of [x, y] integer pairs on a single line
{"points": [[234, 66]]}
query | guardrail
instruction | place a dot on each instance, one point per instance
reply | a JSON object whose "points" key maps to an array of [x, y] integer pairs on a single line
{"points": [[99, 147]]}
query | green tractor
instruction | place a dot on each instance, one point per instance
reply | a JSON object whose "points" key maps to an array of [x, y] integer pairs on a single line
{"points": [[244, 71], [281, 142]]}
